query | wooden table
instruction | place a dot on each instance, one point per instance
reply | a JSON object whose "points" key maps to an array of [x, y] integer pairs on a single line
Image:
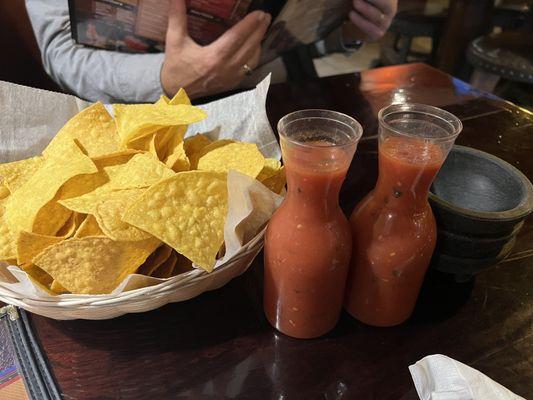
{"points": [[219, 345]]}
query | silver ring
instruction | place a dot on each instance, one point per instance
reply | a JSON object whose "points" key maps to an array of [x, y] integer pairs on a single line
{"points": [[247, 70]]}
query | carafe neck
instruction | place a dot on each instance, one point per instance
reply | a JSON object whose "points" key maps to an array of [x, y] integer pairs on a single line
{"points": [[404, 182], [314, 194]]}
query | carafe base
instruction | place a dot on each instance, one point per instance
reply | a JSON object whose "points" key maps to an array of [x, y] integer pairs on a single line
{"points": [[287, 331], [376, 322]]}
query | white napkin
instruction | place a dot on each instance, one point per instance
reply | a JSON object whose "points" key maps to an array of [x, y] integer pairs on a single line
{"points": [[438, 377]]}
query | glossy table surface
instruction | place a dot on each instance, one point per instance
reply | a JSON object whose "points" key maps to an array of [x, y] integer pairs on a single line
{"points": [[219, 345]]}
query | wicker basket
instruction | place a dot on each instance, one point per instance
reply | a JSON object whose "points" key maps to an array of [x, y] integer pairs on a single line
{"points": [[178, 288]]}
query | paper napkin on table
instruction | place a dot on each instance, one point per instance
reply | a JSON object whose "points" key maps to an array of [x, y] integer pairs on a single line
{"points": [[438, 377]]}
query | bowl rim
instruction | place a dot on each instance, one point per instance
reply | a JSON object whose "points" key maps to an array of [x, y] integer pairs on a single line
{"points": [[523, 209]]}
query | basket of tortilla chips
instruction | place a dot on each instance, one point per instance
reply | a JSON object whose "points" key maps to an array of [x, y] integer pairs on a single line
{"points": [[127, 211]]}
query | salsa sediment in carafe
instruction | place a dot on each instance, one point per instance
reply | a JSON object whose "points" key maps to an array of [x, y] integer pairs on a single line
{"points": [[308, 242], [394, 233]]}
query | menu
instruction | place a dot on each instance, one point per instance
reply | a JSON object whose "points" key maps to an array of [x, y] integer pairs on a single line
{"points": [[140, 25]]}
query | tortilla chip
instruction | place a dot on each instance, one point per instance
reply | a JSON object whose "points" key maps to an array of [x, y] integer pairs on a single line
{"points": [[178, 160], [157, 258], [239, 156], [272, 166], [109, 212], [187, 212], [166, 268], [183, 265], [141, 171], [15, 174], [94, 265], [30, 244], [135, 121], [51, 218], [39, 277], [276, 182], [71, 226], [8, 247], [57, 288], [24, 204], [89, 227], [195, 156], [180, 98], [94, 130], [4, 191], [194, 144]]}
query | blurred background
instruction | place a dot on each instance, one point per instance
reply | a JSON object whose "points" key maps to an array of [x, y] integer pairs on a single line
{"points": [[488, 43]]}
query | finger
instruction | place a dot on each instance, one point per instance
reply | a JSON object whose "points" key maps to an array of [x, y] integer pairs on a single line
{"points": [[251, 59], [373, 31], [233, 39], [253, 62], [253, 42], [177, 21], [385, 6], [369, 11]]}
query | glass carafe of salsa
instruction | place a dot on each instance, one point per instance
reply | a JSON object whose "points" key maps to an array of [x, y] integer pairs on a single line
{"points": [[393, 227], [308, 241]]}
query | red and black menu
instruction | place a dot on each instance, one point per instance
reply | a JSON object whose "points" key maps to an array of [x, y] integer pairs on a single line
{"points": [[140, 25]]}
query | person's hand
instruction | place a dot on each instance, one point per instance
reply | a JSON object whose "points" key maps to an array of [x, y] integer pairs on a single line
{"points": [[205, 70], [371, 18]]}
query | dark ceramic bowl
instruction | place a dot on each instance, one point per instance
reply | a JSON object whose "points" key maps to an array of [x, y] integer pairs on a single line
{"points": [[465, 267], [474, 246], [480, 203]]}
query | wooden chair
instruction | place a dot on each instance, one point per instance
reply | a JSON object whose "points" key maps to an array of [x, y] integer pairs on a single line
{"points": [[406, 26], [503, 64]]}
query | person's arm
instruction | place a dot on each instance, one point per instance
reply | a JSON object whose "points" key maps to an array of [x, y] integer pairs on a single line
{"points": [[96, 75], [217, 67], [369, 19]]}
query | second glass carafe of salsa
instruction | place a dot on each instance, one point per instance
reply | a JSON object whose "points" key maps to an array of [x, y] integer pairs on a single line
{"points": [[308, 241], [393, 227]]}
